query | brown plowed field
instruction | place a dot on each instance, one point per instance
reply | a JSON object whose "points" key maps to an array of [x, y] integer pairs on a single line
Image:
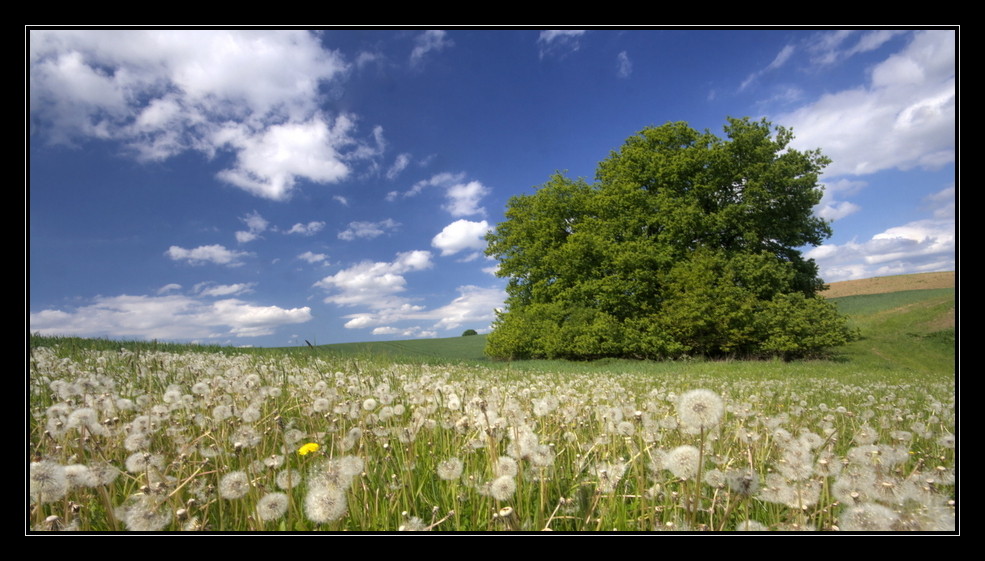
{"points": [[878, 285]]}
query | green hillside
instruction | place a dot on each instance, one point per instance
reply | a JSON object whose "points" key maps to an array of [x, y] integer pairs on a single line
{"points": [[453, 349], [911, 330]]}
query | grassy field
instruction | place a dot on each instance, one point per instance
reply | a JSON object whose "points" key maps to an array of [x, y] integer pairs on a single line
{"points": [[430, 435]]}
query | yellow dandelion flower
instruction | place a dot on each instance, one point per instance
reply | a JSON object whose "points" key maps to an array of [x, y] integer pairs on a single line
{"points": [[308, 448]]}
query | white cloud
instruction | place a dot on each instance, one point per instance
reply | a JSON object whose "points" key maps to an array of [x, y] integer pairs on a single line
{"points": [[473, 305], [624, 67], [920, 246], [443, 179], [832, 209], [837, 210], [416, 332], [212, 289], [207, 254], [903, 118], [173, 317], [941, 203], [164, 92], [781, 58], [313, 257], [463, 198], [309, 229], [342, 200], [399, 165], [826, 48], [172, 287], [256, 225], [367, 230], [559, 42], [374, 284], [431, 40], [269, 162], [461, 235]]}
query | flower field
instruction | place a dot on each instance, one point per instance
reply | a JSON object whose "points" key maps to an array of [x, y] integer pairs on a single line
{"points": [[144, 440]]}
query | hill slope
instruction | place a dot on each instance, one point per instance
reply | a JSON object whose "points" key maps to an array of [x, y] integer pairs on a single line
{"points": [[906, 321]]}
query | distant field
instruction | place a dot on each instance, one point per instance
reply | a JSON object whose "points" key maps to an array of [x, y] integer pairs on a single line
{"points": [[894, 313], [897, 283]]}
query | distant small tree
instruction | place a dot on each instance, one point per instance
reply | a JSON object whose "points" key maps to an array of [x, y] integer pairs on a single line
{"points": [[468, 332]]}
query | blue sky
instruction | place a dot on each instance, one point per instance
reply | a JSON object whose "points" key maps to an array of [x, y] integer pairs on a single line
{"points": [[266, 187]]}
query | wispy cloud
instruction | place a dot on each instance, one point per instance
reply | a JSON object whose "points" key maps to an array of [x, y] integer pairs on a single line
{"points": [[313, 257], [430, 41], [781, 58], [309, 229], [624, 67], [367, 230], [559, 42], [201, 255]]}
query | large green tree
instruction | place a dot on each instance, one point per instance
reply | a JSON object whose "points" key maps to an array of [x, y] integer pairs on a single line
{"points": [[687, 243]]}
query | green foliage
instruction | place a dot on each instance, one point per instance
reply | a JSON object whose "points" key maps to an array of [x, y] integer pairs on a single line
{"points": [[685, 245], [469, 333]]}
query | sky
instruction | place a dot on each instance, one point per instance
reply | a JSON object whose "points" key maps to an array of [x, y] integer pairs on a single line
{"points": [[267, 187]]}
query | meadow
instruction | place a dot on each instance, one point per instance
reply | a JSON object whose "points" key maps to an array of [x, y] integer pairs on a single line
{"points": [[429, 435]]}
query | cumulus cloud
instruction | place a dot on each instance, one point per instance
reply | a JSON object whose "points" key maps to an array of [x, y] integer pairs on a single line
{"points": [[916, 247], [309, 229], [270, 162], [174, 317], [207, 254], [463, 199], [461, 235], [367, 230], [374, 284], [313, 257], [473, 305], [559, 42], [432, 40], [255, 224], [831, 208], [903, 118], [165, 92]]}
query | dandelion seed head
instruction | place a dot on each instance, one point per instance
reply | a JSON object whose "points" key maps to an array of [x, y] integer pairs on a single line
{"points": [[272, 506], [234, 485], [700, 409], [48, 481], [325, 503], [288, 478], [683, 461], [502, 488], [868, 517], [450, 469]]}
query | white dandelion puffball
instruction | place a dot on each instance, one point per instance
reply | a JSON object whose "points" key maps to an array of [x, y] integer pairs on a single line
{"points": [[700, 409]]}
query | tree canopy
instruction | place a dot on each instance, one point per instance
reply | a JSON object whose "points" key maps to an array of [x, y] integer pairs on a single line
{"points": [[685, 244]]}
